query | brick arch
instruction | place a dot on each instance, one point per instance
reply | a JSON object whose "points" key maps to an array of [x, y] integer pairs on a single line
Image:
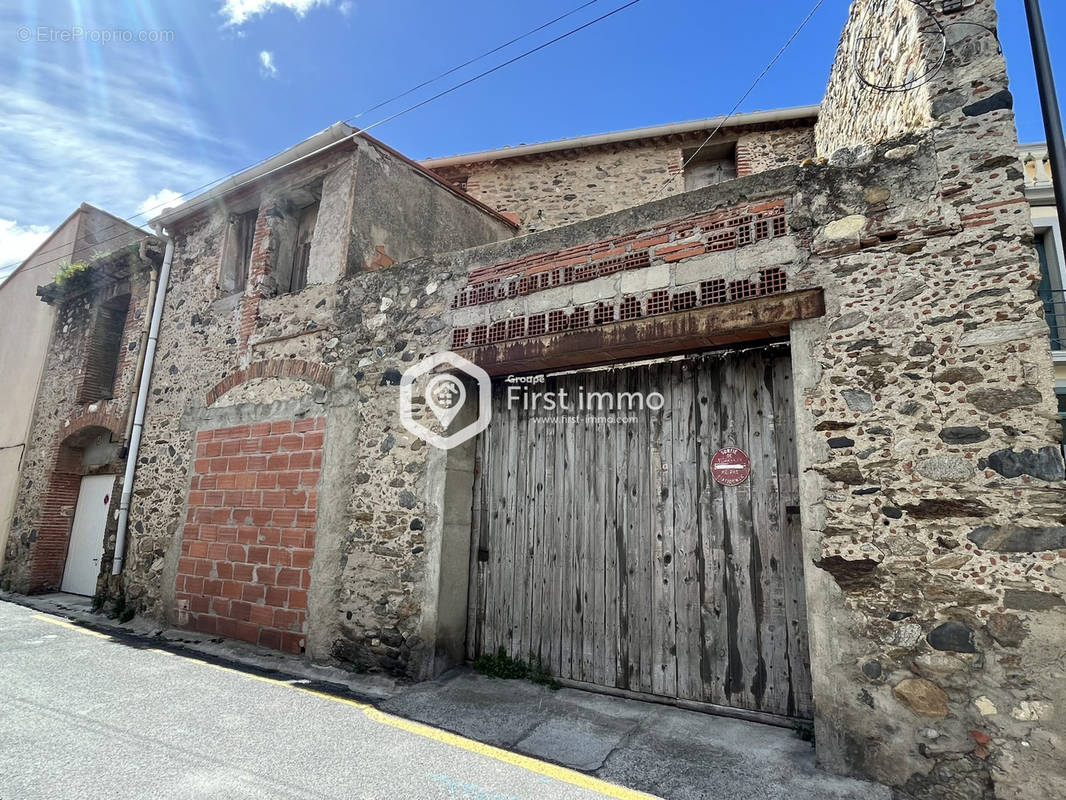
{"points": [[61, 496], [101, 418], [294, 368]]}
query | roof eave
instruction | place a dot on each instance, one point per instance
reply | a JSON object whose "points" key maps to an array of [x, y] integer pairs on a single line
{"points": [[737, 120]]}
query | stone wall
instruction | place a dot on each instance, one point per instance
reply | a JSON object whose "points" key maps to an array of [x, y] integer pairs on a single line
{"points": [[568, 186], [933, 494], [893, 44]]}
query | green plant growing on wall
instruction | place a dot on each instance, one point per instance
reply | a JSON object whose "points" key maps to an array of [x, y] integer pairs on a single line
{"points": [[72, 276], [503, 666]]}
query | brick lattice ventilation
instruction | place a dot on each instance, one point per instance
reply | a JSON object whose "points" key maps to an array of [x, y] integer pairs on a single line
{"points": [[249, 536], [104, 350], [710, 292], [725, 229]]}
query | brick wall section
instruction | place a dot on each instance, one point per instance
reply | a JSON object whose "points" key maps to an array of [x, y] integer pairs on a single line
{"points": [[54, 524], [258, 273], [245, 566]]}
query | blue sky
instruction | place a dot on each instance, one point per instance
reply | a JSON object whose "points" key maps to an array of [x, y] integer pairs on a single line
{"points": [[123, 124]]}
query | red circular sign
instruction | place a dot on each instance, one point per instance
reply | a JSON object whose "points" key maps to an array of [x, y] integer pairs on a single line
{"points": [[730, 466]]}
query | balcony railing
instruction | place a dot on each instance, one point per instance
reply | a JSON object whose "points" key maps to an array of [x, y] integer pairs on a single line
{"points": [[1055, 313], [1037, 166]]}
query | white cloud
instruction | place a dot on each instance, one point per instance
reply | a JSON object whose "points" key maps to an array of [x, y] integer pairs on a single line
{"points": [[267, 67], [237, 12], [17, 242], [155, 204], [347, 8], [111, 142]]}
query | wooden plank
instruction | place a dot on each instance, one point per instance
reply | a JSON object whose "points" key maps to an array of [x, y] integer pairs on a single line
{"points": [[508, 504], [800, 702], [588, 472], [645, 512], [569, 534], [714, 412], [631, 543], [596, 636], [549, 556], [770, 681], [666, 382], [493, 458], [536, 617], [740, 609], [559, 553], [614, 550], [578, 517], [522, 495], [685, 507], [478, 529]]}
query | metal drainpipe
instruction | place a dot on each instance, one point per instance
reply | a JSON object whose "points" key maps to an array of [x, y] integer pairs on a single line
{"points": [[138, 418]]}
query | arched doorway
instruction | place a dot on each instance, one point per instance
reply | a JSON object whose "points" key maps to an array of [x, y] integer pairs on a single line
{"points": [[73, 527]]}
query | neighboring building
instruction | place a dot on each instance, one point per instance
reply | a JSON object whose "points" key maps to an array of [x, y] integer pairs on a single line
{"points": [[1040, 189], [26, 328], [550, 184], [846, 507], [64, 517]]}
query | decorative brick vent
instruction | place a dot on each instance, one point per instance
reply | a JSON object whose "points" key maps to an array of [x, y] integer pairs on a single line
{"points": [[726, 229], [772, 280], [249, 536]]}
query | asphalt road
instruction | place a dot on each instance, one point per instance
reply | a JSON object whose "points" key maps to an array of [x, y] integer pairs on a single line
{"points": [[86, 716]]}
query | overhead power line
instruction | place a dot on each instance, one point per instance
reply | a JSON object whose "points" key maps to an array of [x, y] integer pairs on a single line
{"points": [[743, 97], [538, 48]]}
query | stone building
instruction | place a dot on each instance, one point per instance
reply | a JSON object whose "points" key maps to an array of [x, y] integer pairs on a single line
{"points": [[26, 329], [845, 505], [63, 523], [550, 184]]}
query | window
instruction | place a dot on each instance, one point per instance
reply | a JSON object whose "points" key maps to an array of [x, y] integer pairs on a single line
{"points": [[709, 165], [1060, 393], [103, 349], [301, 253], [237, 251], [1051, 291]]}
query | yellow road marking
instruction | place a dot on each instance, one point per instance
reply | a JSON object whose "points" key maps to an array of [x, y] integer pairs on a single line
{"points": [[64, 624], [528, 763]]}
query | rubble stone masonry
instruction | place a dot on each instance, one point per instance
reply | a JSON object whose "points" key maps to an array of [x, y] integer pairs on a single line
{"points": [[76, 432], [933, 492], [568, 186]]}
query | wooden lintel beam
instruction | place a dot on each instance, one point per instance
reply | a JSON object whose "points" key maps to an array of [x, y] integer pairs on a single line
{"points": [[751, 320]]}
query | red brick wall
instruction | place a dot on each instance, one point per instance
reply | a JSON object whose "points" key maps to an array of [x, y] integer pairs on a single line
{"points": [[53, 527], [249, 536]]}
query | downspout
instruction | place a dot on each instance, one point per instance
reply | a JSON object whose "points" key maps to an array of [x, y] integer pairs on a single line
{"points": [[138, 417]]}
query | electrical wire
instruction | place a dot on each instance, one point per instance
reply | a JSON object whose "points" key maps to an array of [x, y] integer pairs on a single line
{"points": [[486, 54], [391, 117], [744, 97], [912, 83], [930, 74]]}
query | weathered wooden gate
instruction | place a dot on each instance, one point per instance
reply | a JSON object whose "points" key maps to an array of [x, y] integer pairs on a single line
{"points": [[608, 551]]}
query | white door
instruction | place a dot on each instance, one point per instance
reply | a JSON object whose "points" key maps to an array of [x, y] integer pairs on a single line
{"points": [[87, 535]]}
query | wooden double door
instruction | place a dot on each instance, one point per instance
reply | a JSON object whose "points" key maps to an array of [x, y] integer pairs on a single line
{"points": [[604, 547]]}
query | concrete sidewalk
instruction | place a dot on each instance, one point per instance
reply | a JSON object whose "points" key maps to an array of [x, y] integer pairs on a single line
{"points": [[653, 748], [658, 749]]}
